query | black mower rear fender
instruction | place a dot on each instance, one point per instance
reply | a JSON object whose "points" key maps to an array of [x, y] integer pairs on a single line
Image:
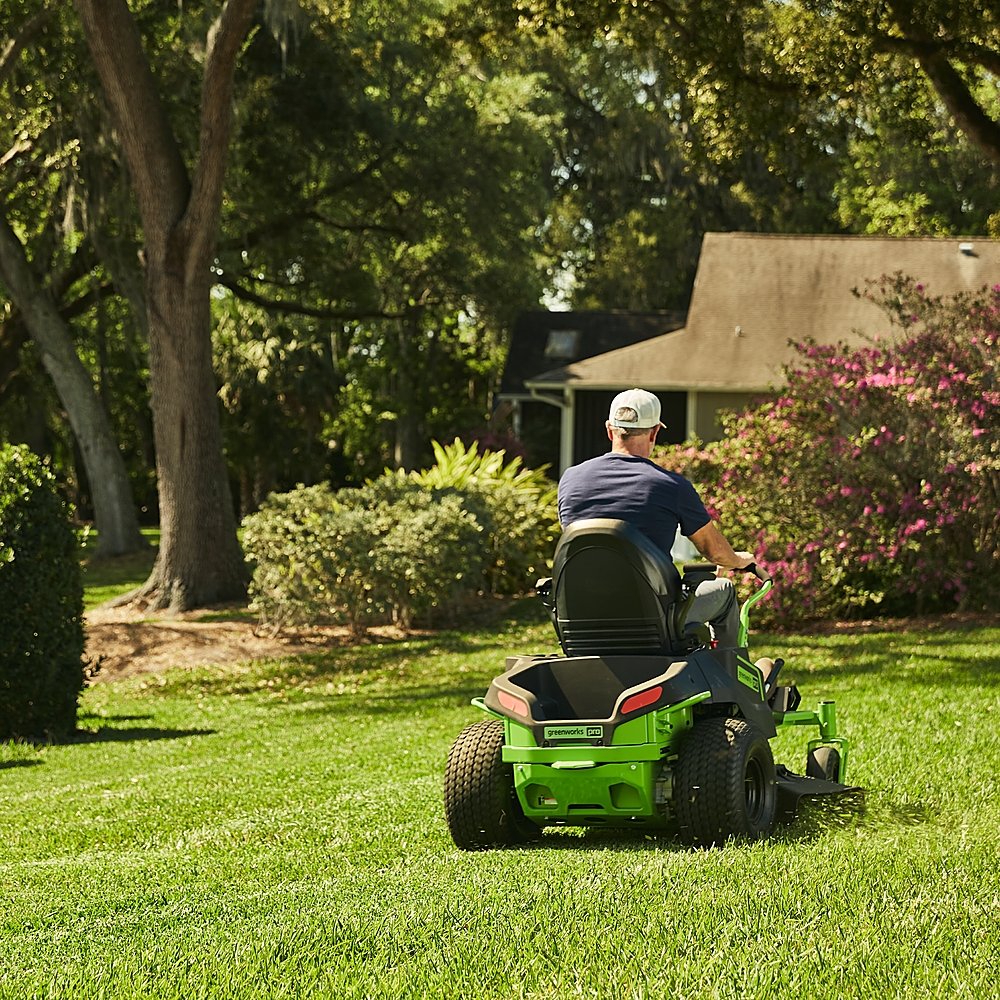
{"points": [[539, 690]]}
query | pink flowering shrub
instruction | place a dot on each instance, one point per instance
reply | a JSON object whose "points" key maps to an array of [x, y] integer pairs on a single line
{"points": [[872, 482]]}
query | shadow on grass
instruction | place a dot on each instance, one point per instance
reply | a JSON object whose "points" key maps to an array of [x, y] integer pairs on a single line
{"points": [[814, 820], [90, 717], [18, 763], [419, 671], [106, 734], [595, 838], [962, 655]]}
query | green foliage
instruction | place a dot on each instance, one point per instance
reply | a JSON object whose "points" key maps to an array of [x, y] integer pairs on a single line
{"points": [[413, 547], [906, 166], [407, 179], [391, 548], [278, 383], [520, 503], [297, 552], [430, 558], [800, 116], [399, 170], [872, 483], [41, 604], [427, 551]]}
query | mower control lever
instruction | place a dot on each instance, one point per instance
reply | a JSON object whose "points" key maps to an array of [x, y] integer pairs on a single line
{"points": [[758, 572]]}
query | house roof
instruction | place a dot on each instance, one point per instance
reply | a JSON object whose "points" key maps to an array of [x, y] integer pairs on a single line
{"points": [[597, 333], [755, 293]]}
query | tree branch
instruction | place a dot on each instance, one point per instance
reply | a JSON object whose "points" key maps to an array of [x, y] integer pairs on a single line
{"points": [[158, 172], [934, 56], [951, 48], [280, 227], [22, 146], [225, 38], [290, 307], [967, 112], [10, 51]]}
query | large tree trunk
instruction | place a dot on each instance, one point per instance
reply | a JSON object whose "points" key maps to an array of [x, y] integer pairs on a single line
{"points": [[407, 449], [114, 506], [199, 561], [196, 508]]}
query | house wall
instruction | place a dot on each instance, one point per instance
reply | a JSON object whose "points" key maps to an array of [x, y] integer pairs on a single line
{"points": [[590, 412], [706, 407]]}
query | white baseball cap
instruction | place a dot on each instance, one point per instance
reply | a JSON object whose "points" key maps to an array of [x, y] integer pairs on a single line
{"points": [[644, 404]]}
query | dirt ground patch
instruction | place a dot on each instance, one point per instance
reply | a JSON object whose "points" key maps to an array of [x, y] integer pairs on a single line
{"points": [[122, 642]]}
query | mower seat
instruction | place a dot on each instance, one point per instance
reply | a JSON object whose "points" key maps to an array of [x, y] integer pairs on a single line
{"points": [[613, 592]]}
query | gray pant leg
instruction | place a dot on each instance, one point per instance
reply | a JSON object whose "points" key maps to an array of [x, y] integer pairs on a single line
{"points": [[715, 602]]}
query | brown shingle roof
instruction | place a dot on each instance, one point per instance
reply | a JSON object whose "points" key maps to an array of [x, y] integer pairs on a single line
{"points": [[776, 289], [599, 333]]}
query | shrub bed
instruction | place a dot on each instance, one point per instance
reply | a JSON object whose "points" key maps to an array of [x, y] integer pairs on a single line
{"points": [[872, 483], [403, 547]]}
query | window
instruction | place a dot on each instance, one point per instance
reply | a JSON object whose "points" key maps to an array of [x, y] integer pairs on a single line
{"points": [[562, 344]]}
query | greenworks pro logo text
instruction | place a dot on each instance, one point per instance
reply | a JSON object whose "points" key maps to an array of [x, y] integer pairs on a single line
{"points": [[573, 732]]}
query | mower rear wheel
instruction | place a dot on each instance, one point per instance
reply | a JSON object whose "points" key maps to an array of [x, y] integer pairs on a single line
{"points": [[724, 783], [480, 803], [824, 762]]}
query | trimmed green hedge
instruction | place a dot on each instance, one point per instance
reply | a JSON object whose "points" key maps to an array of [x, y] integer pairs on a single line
{"points": [[408, 548], [390, 550], [41, 604]]}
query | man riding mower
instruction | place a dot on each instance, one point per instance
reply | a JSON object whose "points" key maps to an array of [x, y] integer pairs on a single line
{"points": [[640, 722]]}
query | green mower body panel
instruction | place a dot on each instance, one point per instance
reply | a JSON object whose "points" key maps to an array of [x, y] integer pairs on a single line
{"points": [[613, 766], [571, 782]]}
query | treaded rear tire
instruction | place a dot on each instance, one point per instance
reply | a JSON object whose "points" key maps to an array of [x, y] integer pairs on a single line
{"points": [[480, 803], [724, 783]]}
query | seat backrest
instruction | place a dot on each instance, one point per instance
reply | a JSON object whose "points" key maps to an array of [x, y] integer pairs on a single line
{"points": [[613, 591]]}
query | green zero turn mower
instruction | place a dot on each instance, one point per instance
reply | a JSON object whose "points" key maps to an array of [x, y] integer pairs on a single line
{"points": [[640, 722]]}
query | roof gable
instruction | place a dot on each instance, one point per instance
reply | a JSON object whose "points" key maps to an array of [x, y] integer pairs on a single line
{"points": [[754, 293], [596, 333]]}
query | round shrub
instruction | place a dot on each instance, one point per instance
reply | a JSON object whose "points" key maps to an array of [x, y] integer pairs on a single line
{"points": [[391, 549], [311, 559], [41, 604], [429, 559], [516, 506]]}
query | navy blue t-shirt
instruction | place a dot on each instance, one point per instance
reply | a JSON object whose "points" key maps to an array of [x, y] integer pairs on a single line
{"points": [[634, 490]]}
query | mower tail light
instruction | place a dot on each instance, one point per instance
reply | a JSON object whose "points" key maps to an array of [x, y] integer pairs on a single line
{"points": [[642, 699], [513, 704]]}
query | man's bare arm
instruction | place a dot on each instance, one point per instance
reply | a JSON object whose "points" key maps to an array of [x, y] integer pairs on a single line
{"points": [[712, 544]]}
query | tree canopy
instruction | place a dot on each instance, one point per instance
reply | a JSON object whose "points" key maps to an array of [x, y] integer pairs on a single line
{"points": [[337, 263]]}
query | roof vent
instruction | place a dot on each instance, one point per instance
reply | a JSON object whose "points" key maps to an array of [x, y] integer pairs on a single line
{"points": [[966, 249]]}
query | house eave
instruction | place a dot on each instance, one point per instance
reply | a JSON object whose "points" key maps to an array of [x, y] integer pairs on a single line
{"points": [[550, 385]]}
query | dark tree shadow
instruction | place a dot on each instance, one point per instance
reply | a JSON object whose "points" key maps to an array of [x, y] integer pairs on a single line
{"points": [[107, 734], [18, 763], [90, 717]]}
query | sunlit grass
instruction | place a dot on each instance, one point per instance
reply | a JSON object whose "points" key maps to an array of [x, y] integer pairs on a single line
{"points": [[107, 578], [275, 829]]}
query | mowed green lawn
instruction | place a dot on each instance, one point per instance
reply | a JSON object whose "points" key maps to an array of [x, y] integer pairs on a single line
{"points": [[275, 829]]}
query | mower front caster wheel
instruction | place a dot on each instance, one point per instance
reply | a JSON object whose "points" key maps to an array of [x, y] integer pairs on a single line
{"points": [[724, 783], [480, 803], [824, 763]]}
